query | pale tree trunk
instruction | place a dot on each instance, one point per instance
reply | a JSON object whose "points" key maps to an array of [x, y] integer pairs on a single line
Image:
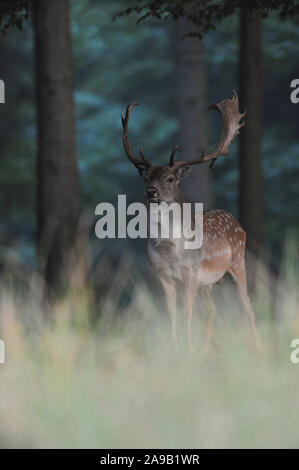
{"points": [[57, 173], [251, 86], [192, 109]]}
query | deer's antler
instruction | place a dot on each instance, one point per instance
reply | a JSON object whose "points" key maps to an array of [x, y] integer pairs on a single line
{"points": [[232, 118], [140, 163]]}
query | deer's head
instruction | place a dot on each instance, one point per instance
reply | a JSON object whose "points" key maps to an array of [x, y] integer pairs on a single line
{"points": [[162, 181]]}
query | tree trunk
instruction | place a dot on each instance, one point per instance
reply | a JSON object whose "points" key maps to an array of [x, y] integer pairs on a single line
{"points": [[192, 109], [251, 86], [58, 203]]}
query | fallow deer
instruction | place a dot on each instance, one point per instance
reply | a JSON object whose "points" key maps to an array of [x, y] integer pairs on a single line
{"points": [[223, 246]]}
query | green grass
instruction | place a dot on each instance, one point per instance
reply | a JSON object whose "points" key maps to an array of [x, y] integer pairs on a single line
{"points": [[69, 382]]}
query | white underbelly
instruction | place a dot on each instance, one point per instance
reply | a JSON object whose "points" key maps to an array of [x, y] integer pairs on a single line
{"points": [[206, 277]]}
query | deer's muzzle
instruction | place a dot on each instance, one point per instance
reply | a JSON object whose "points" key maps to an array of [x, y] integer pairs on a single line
{"points": [[151, 192]]}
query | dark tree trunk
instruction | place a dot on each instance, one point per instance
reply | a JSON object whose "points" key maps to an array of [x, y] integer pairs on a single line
{"points": [[57, 173], [192, 108], [251, 86]]}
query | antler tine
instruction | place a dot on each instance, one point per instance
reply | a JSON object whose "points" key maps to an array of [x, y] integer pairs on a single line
{"points": [[232, 118], [172, 155], [142, 163]]}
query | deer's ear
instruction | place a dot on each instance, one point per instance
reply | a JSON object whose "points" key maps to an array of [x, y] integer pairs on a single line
{"points": [[182, 172]]}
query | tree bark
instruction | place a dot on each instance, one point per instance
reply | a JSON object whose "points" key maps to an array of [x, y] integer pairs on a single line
{"points": [[250, 155], [192, 110], [58, 201]]}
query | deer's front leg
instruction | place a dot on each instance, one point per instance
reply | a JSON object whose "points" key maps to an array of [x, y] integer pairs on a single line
{"points": [[190, 293], [170, 293]]}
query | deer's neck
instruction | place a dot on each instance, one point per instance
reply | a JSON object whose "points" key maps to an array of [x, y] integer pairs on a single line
{"points": [[179, 198], [159, 216]]}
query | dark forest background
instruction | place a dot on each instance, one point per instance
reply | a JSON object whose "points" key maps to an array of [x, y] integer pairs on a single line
{"points": [[85, 352], [117, 62]]}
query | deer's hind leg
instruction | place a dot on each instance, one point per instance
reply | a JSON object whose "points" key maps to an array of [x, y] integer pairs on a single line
{"points": [[170, 294], [206, 297], [238, 273]]}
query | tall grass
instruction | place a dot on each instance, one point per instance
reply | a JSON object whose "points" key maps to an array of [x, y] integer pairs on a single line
{"points": [[70, 381]]}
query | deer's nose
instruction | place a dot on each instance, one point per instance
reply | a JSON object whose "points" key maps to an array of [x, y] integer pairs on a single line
{"points": [[151, 192]]}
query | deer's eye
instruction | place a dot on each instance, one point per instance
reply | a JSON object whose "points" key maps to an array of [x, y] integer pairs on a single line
{"points": [[170, 179]]}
